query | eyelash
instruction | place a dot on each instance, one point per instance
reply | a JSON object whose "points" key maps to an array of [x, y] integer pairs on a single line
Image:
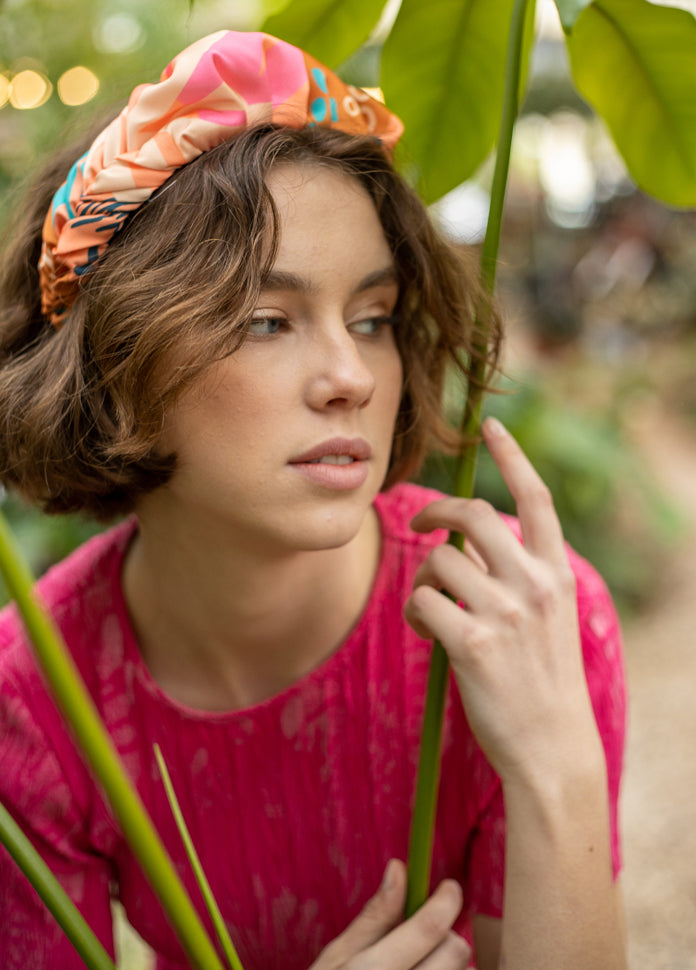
{"points": [[381, 321]]}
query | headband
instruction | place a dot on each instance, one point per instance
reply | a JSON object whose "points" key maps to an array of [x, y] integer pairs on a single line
{"points": [[212, 91]]}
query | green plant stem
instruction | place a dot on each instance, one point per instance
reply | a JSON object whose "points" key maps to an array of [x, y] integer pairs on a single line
{"points": [[96, 745], [428, 778], [57, 901], [207, 893]]}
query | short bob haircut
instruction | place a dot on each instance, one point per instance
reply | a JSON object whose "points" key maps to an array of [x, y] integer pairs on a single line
{"points": [[82, 408]]}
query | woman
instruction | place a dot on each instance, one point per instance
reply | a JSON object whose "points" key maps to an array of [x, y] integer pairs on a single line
{"points": [[240, 333]]}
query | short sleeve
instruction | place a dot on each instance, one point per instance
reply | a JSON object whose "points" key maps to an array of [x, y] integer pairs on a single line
{"points": [[49, 798], [604, 670]]}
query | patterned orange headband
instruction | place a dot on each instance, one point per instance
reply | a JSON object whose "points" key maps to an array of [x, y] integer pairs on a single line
{"points": [[209, 93]]}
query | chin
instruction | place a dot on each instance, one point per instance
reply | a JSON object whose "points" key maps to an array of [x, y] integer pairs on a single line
{"points": [[328, 531], [325, 539]]}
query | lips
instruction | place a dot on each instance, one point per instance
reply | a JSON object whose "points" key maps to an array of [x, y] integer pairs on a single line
{"points": [[339, 464], [337, 451]]}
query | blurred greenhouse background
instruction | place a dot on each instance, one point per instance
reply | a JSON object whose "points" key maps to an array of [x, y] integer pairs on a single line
{"points": [[598, 287]]}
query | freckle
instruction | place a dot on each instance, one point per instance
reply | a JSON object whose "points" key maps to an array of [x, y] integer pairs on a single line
{"points": [[591, 848]]}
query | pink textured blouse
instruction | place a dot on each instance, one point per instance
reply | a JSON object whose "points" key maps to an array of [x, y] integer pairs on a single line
{"points": [[295, 805]]}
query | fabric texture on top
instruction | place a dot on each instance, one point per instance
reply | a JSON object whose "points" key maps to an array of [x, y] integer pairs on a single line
{"points": [[296, 804], [209, 93]]}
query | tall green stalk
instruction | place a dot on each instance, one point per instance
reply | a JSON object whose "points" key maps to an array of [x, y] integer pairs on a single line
{"points": [[427, 783], [96, 745], [57, 901], [213, 909]]}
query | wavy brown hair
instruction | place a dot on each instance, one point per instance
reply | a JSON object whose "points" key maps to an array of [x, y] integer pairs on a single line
{"points": [[81, 409]]}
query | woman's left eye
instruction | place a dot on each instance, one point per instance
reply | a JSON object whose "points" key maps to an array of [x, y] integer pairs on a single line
{"points": [[265, 326], [371, 326]]}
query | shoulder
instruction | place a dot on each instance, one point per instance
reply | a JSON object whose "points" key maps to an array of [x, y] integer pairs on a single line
{"points": [[44, 779], [75, 592], [73, 589]]}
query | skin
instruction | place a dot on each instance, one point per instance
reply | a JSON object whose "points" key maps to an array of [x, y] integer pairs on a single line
{"points": [[241, 540]]}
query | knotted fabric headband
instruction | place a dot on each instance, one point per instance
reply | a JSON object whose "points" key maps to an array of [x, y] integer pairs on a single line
{"points": [[209, 93]]}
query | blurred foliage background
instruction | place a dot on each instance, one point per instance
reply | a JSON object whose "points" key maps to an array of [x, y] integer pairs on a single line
{"points": [[596, 280]]}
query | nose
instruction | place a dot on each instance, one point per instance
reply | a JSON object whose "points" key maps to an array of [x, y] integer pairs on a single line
{"points": [[339, 376]]}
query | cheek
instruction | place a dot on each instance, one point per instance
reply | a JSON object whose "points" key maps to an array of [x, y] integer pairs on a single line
{"points": [[393, 382]]}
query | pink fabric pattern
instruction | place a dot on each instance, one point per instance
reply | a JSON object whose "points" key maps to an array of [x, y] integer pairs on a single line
{"points": [[296, 804], [211, 91]]}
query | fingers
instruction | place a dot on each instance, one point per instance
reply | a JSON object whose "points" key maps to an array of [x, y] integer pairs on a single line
{"points": [[375, 940], [380, 914], [423, 935], [541, 530], [453, 954], [481, 524], [462, 576], [435, 617], [485, 532]]}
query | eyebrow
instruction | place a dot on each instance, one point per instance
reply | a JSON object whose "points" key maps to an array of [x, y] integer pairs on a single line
{"points": [[280, 280]]}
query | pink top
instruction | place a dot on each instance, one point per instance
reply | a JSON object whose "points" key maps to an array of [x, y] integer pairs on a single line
{"points": [[295, 804]]}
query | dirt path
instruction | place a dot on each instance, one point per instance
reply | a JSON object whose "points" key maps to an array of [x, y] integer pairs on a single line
{"points": [[659, 799]]}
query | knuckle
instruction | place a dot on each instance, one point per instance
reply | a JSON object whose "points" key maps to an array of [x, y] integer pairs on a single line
{"points": [[513, 614], [549, 588], [567, 579], [544, 592], [478, 642], [541, 493], [479, 509]]}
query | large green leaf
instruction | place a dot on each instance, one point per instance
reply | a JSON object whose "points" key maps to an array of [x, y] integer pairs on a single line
{"points": [[570, 10], [635, 63], [443, 70], [330, 30]]}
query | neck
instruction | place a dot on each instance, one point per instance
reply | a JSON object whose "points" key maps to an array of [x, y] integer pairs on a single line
{"points": [[222, 627]]}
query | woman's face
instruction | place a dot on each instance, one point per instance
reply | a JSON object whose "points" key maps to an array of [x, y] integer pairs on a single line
{"points": [[287, 441]]}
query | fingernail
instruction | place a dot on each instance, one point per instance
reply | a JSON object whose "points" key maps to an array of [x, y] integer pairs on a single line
{"points": [[454, 893], [494, 426], [389, 878]]}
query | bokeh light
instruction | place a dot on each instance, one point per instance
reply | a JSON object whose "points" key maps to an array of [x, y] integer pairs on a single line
{"points": [[119, 33], [29, 89], [77, 86]]}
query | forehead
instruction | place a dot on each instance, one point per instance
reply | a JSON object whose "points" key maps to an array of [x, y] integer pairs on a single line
{"points": [[323, 211]]}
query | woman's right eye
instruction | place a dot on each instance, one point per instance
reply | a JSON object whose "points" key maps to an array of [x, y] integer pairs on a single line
{"points": [[265, 326]]}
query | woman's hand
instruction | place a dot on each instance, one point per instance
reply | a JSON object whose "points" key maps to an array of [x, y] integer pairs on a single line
{"points": [[515, 647], [378, 940]]}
